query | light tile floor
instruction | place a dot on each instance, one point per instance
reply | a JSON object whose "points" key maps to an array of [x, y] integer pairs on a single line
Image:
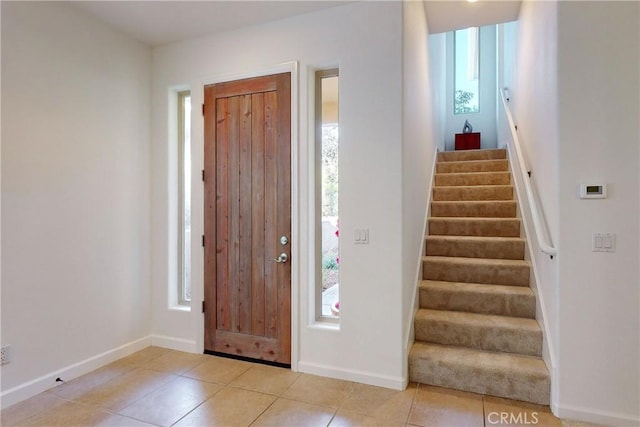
{"points": [[160, 387]]}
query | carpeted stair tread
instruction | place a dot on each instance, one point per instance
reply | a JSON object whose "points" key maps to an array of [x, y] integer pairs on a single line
{"points": [[490, 154], [476, 270], [499, 165], [469, 226], [472, 178], [472, 192], [475, 329], [476, 247], [484, 209], [515, 301], [506, 375], [479, 331]]}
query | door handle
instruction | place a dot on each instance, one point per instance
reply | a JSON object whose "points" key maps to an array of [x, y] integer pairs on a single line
{"points": [[282, 258]]}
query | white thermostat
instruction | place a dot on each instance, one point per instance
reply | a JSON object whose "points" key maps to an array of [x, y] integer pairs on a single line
{"points": [[595, 191]]}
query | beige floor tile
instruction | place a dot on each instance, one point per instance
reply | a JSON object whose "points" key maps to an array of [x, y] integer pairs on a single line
{"points": [[19, 412], [354, 419], [319, 390], [171, 402], [67, 414], [218, 370], [229, 407], [440, 407], [382, 404], [505, 412], [126, 389], [291, 413], [571, 423], [74, 389], [114, 420], [266, 379], [142, 357], [176, 362]]}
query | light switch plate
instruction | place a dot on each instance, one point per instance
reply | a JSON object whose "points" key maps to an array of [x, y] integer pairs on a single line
{"points": [[603, 242], [361, 236]]}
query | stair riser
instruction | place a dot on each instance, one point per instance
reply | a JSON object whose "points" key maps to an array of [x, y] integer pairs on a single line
{"points": [[472, 166], [477, 379], [478, 302], [474, 273], [472, 193], [454, 179], [480, 337], [459, 156], [478, 209], [473, 227], [475, 249]]}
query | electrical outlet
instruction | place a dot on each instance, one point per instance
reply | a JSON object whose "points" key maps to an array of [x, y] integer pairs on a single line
{"points": [[4, 354]]}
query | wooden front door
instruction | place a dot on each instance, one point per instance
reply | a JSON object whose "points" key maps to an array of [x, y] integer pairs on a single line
{"points": [[247, 218]]}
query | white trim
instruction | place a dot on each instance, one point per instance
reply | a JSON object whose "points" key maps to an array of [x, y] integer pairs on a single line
{"points": [[410, 335], [568, 412], [47, 381], [371, 378], [173, 343], [285, 67]]}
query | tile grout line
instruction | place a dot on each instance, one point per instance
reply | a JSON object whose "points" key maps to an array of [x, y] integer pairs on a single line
{"points": [[335, 412], [199, 405], [484, 418], [413, 399], [276, 399]]}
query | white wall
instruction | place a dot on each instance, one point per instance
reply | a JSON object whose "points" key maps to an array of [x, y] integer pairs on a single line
{"points": [[598, 82], [507, 53], [75, 193], [420, 138], [485, 120], [576, 106], [438, 72], [365, 40], [534, 103]]}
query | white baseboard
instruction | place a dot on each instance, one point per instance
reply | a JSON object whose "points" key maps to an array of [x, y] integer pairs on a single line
{"points": [[173, 343], [47, 381], [603, 418], [396, 383]]}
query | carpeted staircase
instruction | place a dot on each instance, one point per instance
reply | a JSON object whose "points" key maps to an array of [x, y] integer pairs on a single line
{"points": [[476, 329]]}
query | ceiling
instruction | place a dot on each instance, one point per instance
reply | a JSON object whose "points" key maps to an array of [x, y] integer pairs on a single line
{"points": [[443, 16], [160, 22]]}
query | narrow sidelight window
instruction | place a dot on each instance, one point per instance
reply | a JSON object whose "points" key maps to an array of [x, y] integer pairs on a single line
{"points": [[466, 75], [184, 197], [327, 190]]}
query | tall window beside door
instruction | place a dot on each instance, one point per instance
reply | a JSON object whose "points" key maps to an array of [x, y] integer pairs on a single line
{"points": [[466, 71], [184, 197], [327, 190]]}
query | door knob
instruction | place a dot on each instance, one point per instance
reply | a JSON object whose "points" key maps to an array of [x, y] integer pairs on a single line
{"points": [[282, 258]]}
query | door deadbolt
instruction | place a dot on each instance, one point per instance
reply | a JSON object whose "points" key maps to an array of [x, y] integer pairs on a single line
{"points": [[284, 240]]}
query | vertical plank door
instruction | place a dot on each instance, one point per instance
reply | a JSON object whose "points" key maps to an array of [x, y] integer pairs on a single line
{"points": [[247, 218]]}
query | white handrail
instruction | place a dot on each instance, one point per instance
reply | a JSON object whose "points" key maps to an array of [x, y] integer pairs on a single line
{"points": [[545, 247]]}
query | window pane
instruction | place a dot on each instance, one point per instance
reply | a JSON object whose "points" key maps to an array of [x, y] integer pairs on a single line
{"points": [[329, 187], [466, 57], [184, 248]]}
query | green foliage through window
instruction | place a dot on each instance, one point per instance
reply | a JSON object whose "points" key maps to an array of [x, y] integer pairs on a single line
{"points": [[466, 54]]}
